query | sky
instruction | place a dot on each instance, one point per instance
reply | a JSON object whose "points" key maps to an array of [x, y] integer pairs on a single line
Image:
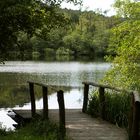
{"points": [[92, 5]]}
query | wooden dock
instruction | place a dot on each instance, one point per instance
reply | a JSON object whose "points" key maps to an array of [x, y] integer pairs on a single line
{"points": [[76, 123], [80, 126]]}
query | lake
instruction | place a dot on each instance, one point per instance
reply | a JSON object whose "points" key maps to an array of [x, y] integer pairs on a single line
{"points": [[14, 92]]}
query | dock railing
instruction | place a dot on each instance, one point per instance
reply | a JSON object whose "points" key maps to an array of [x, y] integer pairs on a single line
{"points": [[134, 115], [60, 99]]}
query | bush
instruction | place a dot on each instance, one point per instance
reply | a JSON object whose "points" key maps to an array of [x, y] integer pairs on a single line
{"points": [[36, 130], [49, 51], [35, 55], [117, 107], [63, 51]]}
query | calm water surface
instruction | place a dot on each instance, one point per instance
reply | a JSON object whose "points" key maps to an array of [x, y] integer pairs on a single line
{"points": [[15, 74]]}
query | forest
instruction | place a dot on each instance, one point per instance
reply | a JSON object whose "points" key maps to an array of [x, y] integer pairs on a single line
{"points": [[85, 33], [61, 32]]}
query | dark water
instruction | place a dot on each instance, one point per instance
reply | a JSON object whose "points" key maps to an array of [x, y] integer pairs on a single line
{"points": [[15, 74]]}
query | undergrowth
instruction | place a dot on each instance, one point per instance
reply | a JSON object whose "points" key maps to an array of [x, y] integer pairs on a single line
{"points": [[116, 110], [36, 130]]}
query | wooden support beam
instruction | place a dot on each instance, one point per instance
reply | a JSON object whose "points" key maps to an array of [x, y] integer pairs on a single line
{"points": [[45, 102], [32, 96], [85, 100], [131, 116], [136, 120], [102, 102], [60, 98]]}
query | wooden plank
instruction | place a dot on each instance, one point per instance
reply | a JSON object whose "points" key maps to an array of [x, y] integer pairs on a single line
{"points": [[37, 83], [26, 114], [53, 86], [106, 86]]}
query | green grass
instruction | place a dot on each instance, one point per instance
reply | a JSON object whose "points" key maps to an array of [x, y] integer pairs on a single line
{"points": [[117, 107], [36, 130]]}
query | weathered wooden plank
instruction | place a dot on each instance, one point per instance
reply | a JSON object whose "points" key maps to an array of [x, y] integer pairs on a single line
{"points": [[26, 113], [37, 83], [106, 86], [59, 87]]}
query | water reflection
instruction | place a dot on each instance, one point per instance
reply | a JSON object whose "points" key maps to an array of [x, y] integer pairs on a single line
{"points": [[73, 99]]}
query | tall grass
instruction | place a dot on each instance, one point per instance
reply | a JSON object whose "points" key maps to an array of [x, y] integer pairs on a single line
{"points": [[117, 107], [36, 130]]}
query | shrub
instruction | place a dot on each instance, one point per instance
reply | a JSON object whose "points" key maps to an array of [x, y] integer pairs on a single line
{"points": [[117, 107], [36, 130], [63, 51]]}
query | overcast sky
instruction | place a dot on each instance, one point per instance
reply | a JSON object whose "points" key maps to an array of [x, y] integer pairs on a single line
{"points": [[92, 5]]}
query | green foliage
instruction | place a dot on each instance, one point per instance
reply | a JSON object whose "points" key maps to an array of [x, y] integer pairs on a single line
{"points": [[127, 8], [32, 17], [35, 55], [10, 96], [36, 130], [49, 51], [117, 107], [17, 16], [63, 51], [89, 32], [14, 96], [93, 106], [2, 131], [35, 25], [125, 43], [74, 41]]}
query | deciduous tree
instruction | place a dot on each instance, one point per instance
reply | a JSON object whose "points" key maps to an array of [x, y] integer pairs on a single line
{"points": [[125, 43], [28, 16]]}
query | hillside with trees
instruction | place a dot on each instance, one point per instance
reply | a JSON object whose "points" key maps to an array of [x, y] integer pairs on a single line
{"points": [[84, 33], [35, 30], [21, 20]]}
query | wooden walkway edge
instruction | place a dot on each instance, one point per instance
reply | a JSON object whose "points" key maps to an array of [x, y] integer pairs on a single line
{"points": [[80, 126]]}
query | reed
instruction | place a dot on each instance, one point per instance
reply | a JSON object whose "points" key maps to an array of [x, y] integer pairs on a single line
{"points": [[117, 107]]}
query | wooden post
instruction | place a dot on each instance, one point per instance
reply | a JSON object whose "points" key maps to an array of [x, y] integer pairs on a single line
{"points": [[85, 100], [45, 102], [102, 102], [131, 116], [32, 96], [60, 98], [135, 126]]}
